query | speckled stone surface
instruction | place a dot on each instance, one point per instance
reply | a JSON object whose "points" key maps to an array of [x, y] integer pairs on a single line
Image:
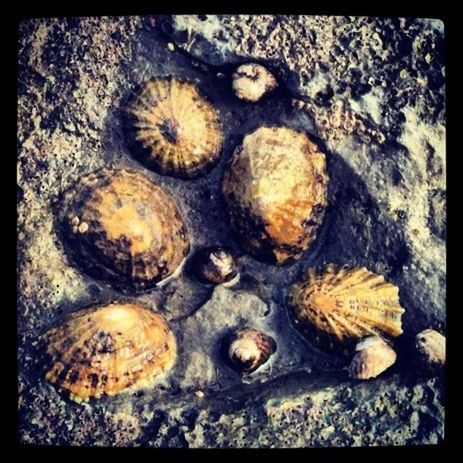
{"points": [[370, 92]]}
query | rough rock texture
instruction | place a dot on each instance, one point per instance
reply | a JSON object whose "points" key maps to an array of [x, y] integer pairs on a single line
{"points": [[370, 92]]}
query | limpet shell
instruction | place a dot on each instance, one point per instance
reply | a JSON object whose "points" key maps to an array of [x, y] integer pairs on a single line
{"points": [[214, 265], [275, 189], [123, 228], [252, 81], [430, 349], [174, 129], [373, 357], [247, 349], [336, 306], [106, 349]]}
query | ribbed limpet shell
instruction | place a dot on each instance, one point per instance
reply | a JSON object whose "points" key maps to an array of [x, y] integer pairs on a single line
{"points": [[174, 129], [336, 306], [275, 189], [123, 228], [108, 348]]}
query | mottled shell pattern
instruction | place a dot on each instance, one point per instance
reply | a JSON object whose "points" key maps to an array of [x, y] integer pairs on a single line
{"points": [[125, 229], [174, 128], [373, 357], [108, 348], [214, 265], [252, 81], [341, 305], [430, 349], [275, 189], [247, 349]]}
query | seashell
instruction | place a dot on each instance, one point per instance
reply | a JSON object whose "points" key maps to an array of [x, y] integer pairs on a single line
{"points": [[252, 81], [336, 306], [108, 348], [124, 229], [430, 349], [247, 349], [373, 356], [214, 265], [275, 189], [174, 129]]}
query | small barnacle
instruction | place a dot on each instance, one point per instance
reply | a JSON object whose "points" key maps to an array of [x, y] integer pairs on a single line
{"points": [[247, 349], [373, 356], [252, 81], [275, 189], [174, 129], [105, 349], [214, 265], [339, 305], [130, 231], [430, 349]]}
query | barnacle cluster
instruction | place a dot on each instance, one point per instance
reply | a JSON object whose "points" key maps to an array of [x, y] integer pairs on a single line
{"points": [[337, 122]]}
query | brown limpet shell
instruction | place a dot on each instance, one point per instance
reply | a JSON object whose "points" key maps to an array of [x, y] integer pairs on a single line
{"points": [[174, 129], [124, 229], [275, 189], [106, 349], [335, 306], [247, 349]]}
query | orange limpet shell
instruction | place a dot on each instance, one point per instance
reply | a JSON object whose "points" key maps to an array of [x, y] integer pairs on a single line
{"points": [[174, 128], [108, 348], [125, 229], [276, 191], [345, 304]]}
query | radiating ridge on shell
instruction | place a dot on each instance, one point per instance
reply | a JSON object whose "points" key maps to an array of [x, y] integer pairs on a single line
{"points": [[108, 348], [341, 305], [174, 129], [123, 228]]}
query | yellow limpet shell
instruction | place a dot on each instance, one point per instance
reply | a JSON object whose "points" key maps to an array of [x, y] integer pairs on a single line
{"points": [[123, 228], [106, 349], [174, 129], [341, 305], [276, 191]]}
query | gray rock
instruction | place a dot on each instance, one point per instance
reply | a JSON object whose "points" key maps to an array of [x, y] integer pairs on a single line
{"points": [[385, 148]]}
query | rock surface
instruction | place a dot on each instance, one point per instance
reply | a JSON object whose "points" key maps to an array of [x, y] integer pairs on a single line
{"points": [[371, 92]]}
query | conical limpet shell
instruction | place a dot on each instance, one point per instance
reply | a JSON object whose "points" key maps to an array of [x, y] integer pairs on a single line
{"points": [[430, 349], [124, 229], [174, 128], [373, 357], [247, 349], [252, 81], [276, 192], [336, 306], [106, 349]]}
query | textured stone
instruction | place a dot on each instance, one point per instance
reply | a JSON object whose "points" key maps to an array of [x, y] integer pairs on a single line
{"points": [[370, 91]]}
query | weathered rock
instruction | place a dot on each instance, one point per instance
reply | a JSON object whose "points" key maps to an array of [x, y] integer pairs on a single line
{"points": [[75, 77]]}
